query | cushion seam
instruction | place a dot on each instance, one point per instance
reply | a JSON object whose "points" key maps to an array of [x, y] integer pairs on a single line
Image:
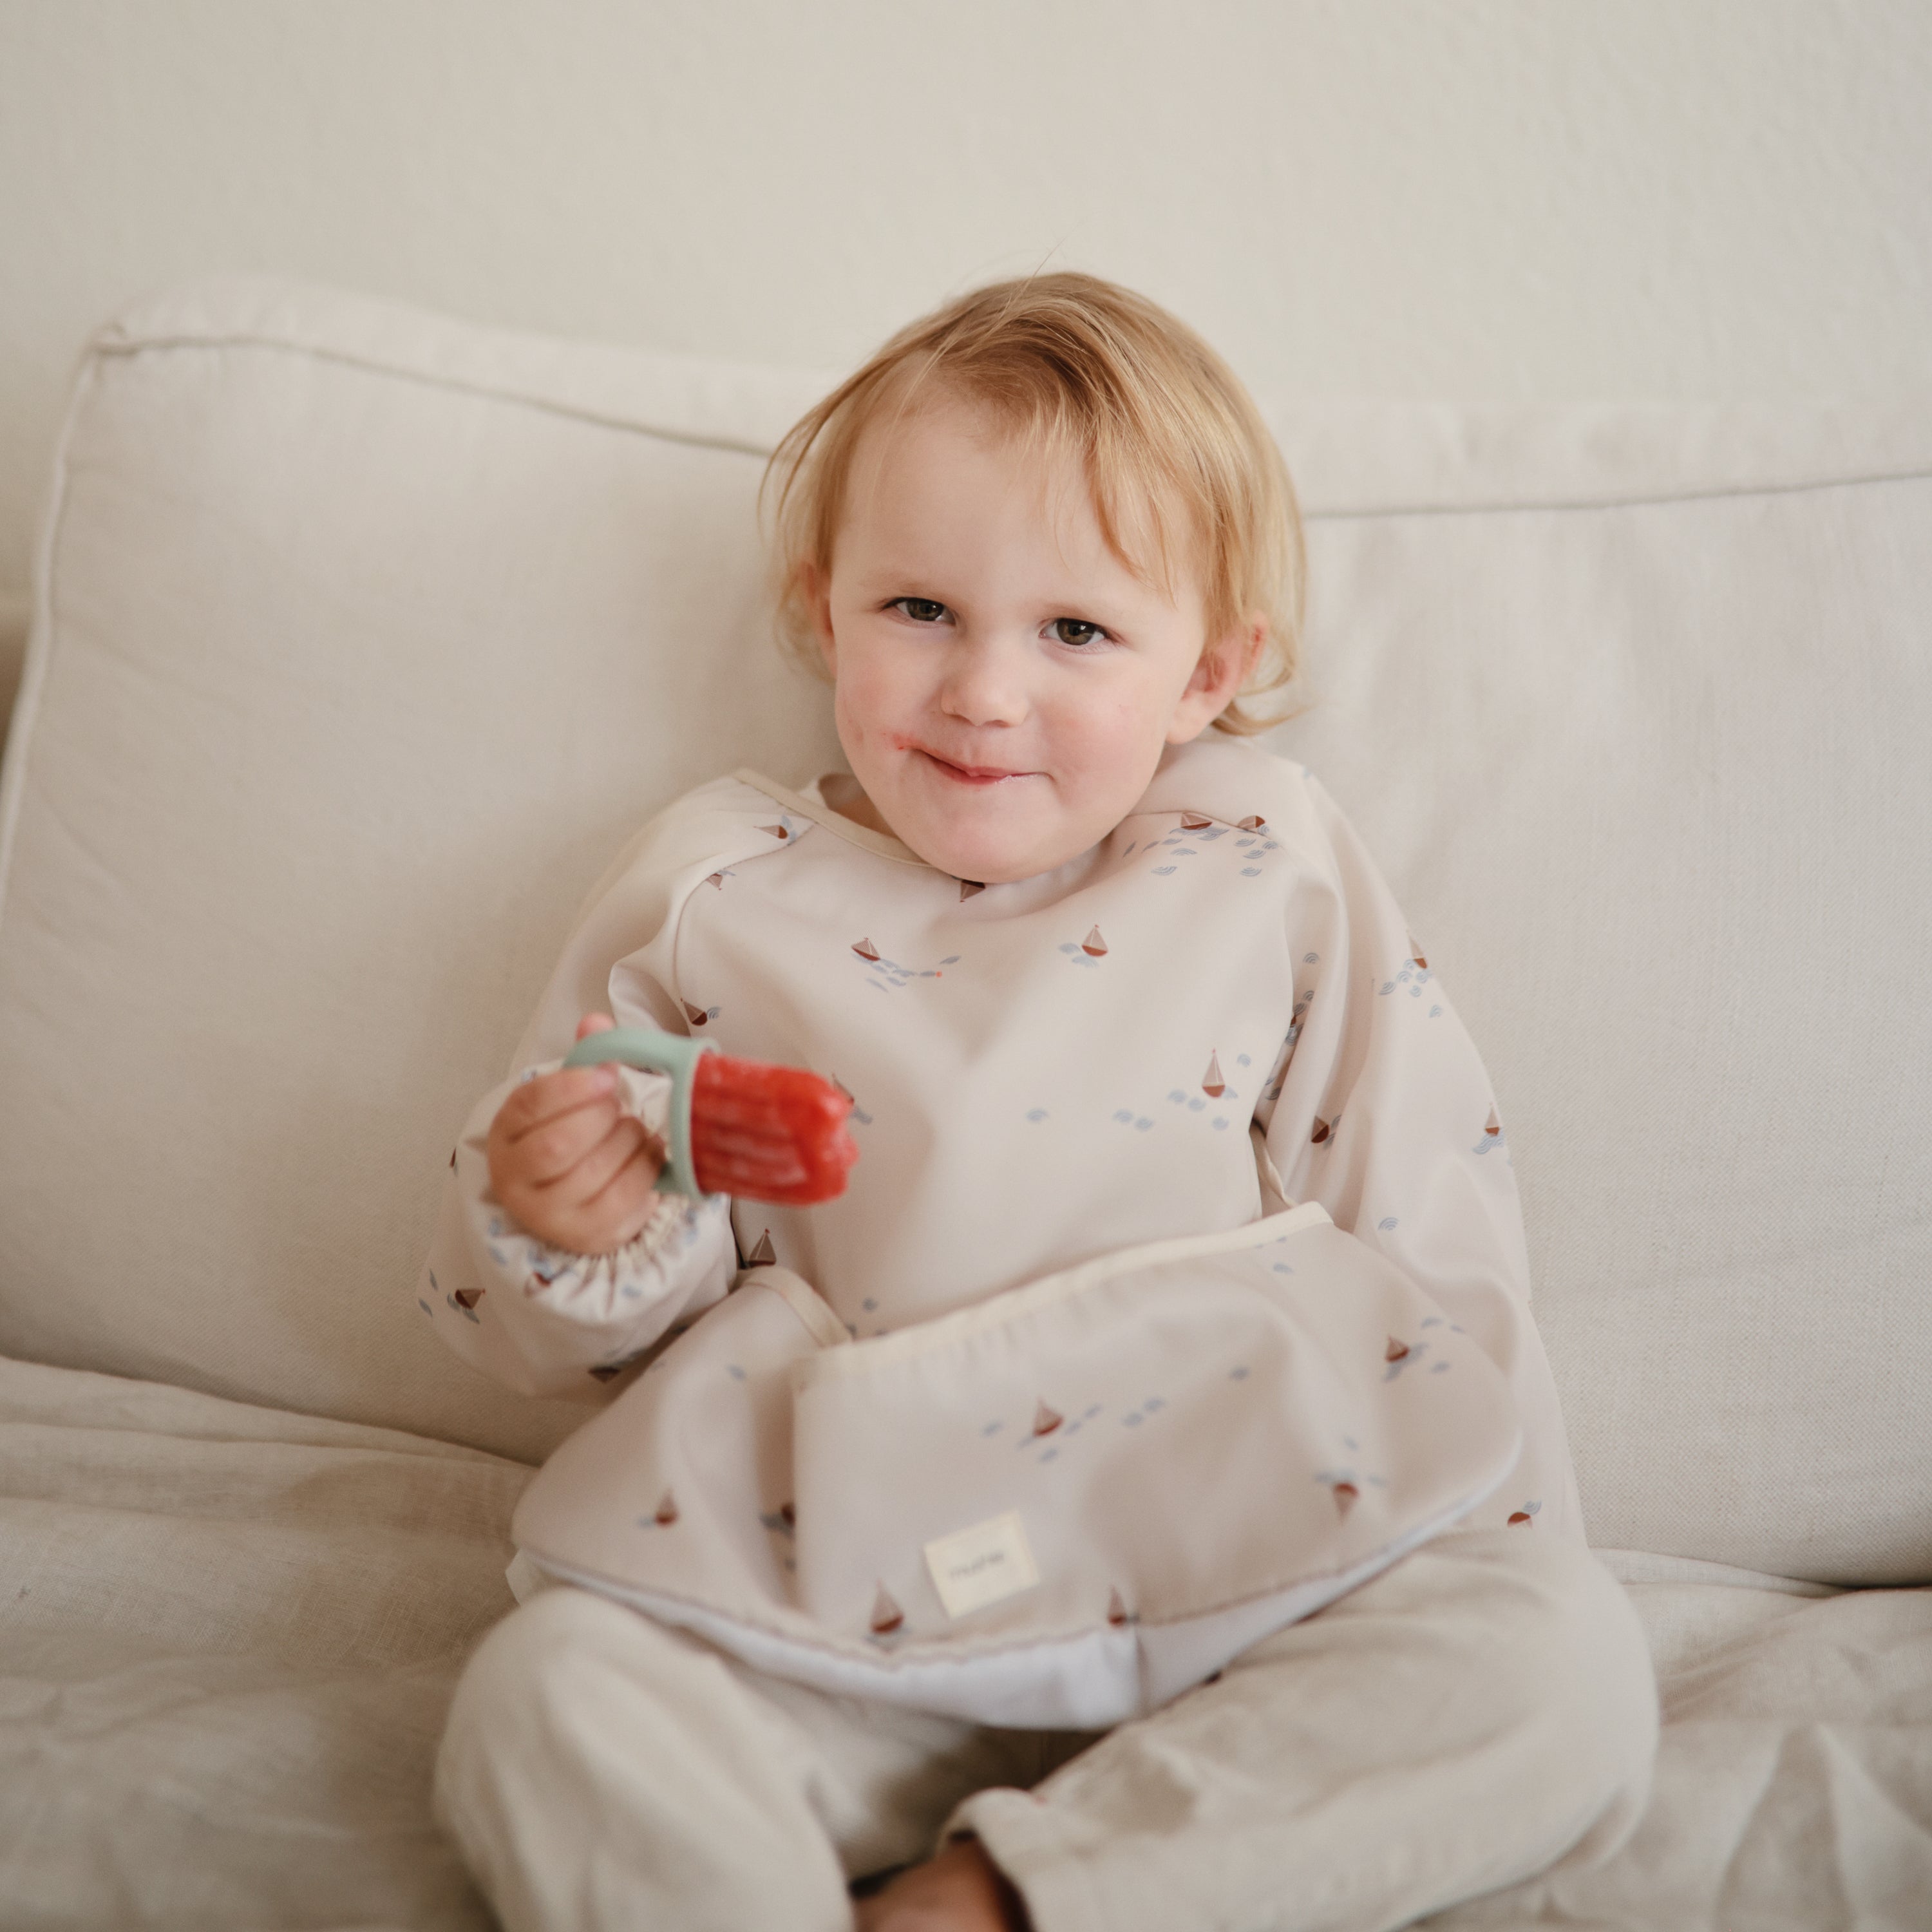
{"points": [[749, 446], [458, 384], [1716, 493]]}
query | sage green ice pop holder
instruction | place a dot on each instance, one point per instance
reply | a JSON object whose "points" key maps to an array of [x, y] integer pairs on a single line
{"points": [[655, 1053]]}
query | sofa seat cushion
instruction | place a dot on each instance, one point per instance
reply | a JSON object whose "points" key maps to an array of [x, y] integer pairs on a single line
{"points": [[229, 1635], [228, 1638], [1794, 1777]]}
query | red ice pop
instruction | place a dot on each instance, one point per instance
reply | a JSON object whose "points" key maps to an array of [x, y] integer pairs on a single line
{"points": [[737, 1126], [768, 1133]]}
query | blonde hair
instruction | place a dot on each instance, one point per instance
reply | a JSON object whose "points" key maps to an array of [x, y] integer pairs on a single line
{"points": [[1162, 427]]}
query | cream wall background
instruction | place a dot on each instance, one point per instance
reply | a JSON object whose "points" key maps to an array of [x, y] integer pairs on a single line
{"points": [[1461, 199]]}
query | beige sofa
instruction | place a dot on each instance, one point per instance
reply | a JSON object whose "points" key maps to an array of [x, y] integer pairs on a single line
{"points": [[363, 638]]}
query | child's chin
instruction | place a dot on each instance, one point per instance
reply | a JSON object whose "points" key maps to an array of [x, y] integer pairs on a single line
{"points": [[987, 862], [990, 843]]}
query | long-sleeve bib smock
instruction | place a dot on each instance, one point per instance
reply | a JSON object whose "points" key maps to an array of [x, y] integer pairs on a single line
{"points": [[1180, 1285]]}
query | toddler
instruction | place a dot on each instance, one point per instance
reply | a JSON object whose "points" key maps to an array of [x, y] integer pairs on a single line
{"points": [[1140, 1500]]}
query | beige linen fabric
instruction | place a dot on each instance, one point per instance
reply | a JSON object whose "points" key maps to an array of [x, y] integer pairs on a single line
{"points": [[228, 1639], [230, 1635], [1793, 1786], [1484, 1707]]}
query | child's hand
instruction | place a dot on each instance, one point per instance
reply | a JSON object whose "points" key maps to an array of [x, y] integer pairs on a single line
{"points": [[568, 1164], [961, 1890]]}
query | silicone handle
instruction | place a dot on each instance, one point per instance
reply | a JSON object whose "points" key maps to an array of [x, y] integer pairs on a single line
{"points": [[656, 1053]]}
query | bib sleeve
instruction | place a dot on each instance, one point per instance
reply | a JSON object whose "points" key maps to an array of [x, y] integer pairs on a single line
{"points": [[542, 1320], [546, 1321], [1380, 1109]]}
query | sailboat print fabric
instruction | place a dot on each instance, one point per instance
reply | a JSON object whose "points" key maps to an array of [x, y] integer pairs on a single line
{"points": [[1120, 1076], [1061, 1506]]}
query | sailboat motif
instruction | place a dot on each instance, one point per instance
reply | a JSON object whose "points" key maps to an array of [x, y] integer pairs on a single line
{"points": [[967, 887], [1323, 1129], [1046, 1420], [715, 879], [1396, 1350], [1193, 821], [667, 1511], [697, 1015], [1212, 1085], [866, 950], [1495, 1126], [764, 1255], [1420, 965], [779, 832], [1253, 823], [1093, 946], [886, 1615], [468, 1297], [1116, 1610], [1346, 1497]]}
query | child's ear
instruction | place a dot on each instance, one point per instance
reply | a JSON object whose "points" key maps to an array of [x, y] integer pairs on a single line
{"points": [[1222, 669]]}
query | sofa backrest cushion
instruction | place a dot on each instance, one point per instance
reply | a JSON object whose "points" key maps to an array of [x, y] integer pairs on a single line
{"points": [[364, 640], [1642, 732], [364, 637]]}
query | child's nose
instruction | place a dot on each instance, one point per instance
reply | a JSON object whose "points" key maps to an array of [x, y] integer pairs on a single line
{"points": [[985, 684]]}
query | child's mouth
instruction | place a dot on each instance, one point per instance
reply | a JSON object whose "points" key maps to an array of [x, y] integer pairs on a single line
{"points": [[969, 775]]}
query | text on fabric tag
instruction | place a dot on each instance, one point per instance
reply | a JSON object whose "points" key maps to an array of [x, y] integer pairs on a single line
{"points": [[984, 1565]]}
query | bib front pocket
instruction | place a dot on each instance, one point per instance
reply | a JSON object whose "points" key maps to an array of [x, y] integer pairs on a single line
{"points": [[1172, 1433], [1062, 1505]]}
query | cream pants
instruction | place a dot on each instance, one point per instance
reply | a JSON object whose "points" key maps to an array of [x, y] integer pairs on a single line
{"points": [[1480, 1711]]}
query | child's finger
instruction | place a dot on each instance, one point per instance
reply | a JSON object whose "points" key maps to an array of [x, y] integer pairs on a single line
{"points": [[594, 1023], [591, 1172], [529, 1106], [547, 1153], [621, 1210], [615, 1214]]}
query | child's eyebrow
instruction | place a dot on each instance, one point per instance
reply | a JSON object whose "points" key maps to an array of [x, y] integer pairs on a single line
{"points": [[891, 566]]}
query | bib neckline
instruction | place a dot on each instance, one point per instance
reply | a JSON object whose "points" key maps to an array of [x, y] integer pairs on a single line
{"points": [[820, 813]]}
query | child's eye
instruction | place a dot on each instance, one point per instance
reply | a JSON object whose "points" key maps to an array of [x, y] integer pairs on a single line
{"points": [[920, 609], [1076, 631]]}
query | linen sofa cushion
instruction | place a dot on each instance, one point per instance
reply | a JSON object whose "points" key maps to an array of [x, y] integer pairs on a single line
{"points": [[228, 1643], [231, 1635], [363, 638], [1793, 1785], [363, 641], [1636, 717]]}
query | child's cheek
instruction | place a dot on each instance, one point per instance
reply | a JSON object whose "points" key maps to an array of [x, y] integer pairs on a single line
{"points": [[862, 702], [1113, 737], [851, 733]]}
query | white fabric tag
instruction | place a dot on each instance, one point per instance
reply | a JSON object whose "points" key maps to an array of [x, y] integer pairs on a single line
{"points": [[984, 1565]]}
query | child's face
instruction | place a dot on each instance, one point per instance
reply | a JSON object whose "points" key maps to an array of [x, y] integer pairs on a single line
{"points": [[1006, 684]]}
